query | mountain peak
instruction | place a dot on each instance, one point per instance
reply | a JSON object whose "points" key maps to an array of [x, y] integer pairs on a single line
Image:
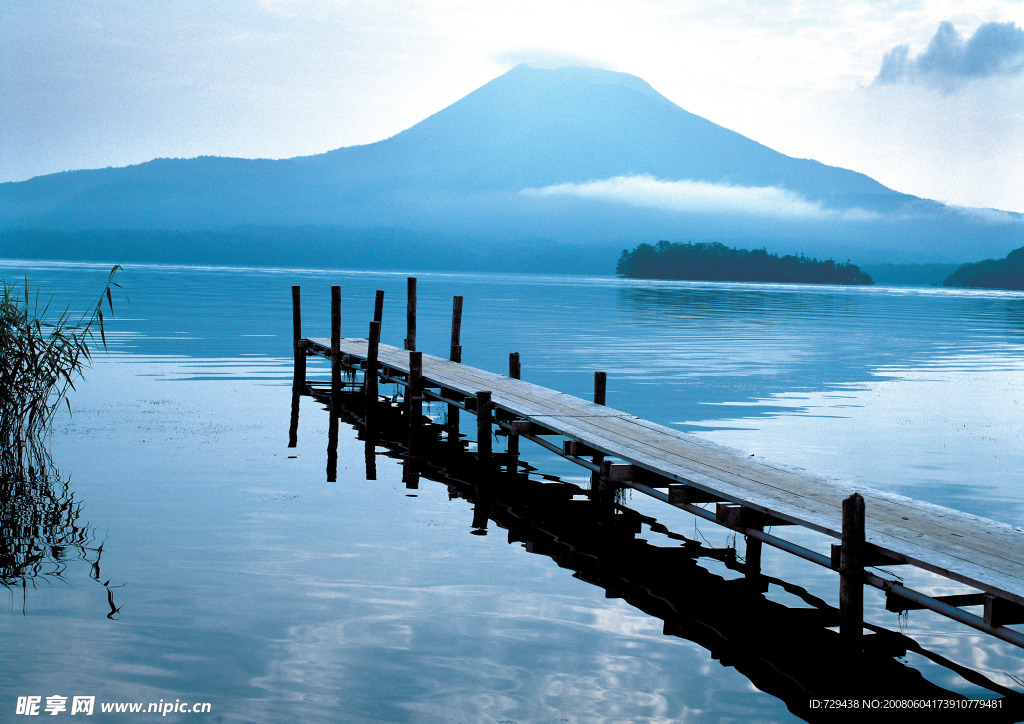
{"points": [[573, 75]]}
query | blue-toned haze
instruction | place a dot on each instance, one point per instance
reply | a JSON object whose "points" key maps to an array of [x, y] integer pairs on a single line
{"points": [[924, 97]]}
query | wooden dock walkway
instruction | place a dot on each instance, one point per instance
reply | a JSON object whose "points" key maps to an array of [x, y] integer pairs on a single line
{"points": [[750, 494]]}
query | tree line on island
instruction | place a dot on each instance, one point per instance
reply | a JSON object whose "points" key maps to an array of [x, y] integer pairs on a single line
{"points": [[714, 261], [1006, 273]]}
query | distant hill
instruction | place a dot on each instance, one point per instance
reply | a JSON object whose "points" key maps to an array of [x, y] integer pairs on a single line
{"points": [[544, 158], [717, 262], [1007, 273]]}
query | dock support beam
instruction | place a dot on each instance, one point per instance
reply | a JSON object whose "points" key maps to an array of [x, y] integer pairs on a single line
{"points": [[300, 351], [335, 344], [600, 384], [483, 429], [752, 557], [410, 314], [370, 375], [851, 575], [414, 392], [514, 371]]}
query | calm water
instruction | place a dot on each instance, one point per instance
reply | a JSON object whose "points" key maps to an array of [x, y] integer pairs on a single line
{"points": [[210, 562]]}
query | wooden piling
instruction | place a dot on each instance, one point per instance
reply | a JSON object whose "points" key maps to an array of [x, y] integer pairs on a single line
{"points": [[851, 575], [335, 343], [753, 557], [370, 375], [602, 492], [456, 346], [514, 371], [297, 344], [600, 384], [414, 395], [454, 425], [483, 427], [410, 313]]}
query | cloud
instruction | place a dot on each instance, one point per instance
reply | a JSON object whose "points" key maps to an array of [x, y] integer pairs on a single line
{"points": [[698, 197], [551, 59], [948, 61]]}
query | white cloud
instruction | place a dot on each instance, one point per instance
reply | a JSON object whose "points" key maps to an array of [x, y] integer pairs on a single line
{"points": [[995, 49], [698, 197]]}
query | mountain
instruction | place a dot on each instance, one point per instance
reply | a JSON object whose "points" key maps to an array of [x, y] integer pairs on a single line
{"points": [[574, 157]]}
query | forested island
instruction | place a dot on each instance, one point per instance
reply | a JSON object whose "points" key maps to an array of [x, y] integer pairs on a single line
{"points": [[717, 262], [1006, 273]]}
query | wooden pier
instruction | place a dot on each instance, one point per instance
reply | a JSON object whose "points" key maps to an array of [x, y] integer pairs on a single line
{"points": [[747, 495]]}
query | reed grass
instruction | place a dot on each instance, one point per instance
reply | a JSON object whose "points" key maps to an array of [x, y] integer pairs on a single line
{"points": [[41, 357]]}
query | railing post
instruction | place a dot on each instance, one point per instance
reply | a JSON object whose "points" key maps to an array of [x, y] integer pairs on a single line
{"points": [[851, 575], [600, 384], [378, 306], [410, 313], [514, 369], [300, 351], [456, 347]]}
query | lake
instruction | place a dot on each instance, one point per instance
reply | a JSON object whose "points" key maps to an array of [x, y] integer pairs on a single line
{"points": [[185, 553]]}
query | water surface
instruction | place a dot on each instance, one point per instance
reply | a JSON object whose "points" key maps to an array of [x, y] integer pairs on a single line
{"points": [[232, 572]]}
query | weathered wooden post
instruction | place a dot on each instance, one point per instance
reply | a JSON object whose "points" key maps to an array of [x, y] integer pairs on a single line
{"points": [[514, 371], [456, 347], [851, 575], [455, 355], [603, 492], [752, 564], [600, 384], [300, 351], [335, 345], [378, 306], [410, 313], [370, 375], [483, 429], [414, 393]]}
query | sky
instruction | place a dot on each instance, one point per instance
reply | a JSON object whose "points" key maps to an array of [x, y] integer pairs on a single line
{"points": [[927, 97]]}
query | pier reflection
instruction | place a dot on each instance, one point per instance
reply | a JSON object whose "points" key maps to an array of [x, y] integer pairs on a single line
{"points": [[791, 652]]}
